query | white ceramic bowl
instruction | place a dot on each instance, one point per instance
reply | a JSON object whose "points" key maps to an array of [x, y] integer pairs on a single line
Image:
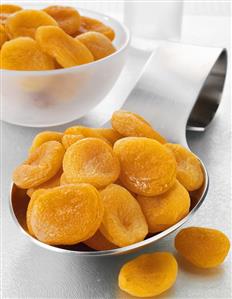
{"points": [[49, 98]]}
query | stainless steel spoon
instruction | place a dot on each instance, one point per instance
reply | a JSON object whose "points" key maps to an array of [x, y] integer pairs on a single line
{"points": [[180, 88]]}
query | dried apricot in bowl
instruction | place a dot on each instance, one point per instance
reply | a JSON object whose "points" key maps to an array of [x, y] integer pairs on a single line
{"points": [[68, 18], [99, 242], [25, 22], [41, 165], [3, 35], [123, 222], [90, 24], [65, 215], [189, 171], [163, 211], [132, 124], [24, 54], [203, 247], [149, 274], [91, 160], [147, 167], [109, 134], [97, 43], [66, 50], [45, 136]]}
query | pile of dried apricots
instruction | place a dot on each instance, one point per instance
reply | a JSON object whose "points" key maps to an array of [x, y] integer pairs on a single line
{"points": [[110, 188], [52, 38]]}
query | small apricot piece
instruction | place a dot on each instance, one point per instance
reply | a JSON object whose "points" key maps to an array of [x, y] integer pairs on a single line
{"points": [[53, 182], [90, 24], [147, 167], [97, 43], [85, 131], [68, 140], [45, 136], [66, 50], [91, 160], [99, 242], [24, 54], [42, 164], [203, 247], [163, 211], [148, 274], [131, 124], [3, 35], [109, 134], [25, 22], [6, 10], [189, 171], [65, 215], [68, 18], [123, 222]]}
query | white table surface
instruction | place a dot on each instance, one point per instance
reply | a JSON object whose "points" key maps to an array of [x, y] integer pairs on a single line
{"points": [[32, 272]]}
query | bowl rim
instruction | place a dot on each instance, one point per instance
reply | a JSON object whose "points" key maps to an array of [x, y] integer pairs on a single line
{"points": [[78, 68]]}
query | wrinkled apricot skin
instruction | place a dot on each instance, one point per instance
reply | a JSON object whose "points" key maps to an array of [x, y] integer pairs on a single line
{"points": [[189, 170], [25, 23], [97, 43], [53, 182], [149, 274], [85, 131], [45, 136], [67, 18], [89, 24], [165, 210], [147, 167], [63, 180], [24, 54], [133, 125], [109, 134], [3, 36], [65, 215], [99, 242], [203, 247], [123, 222], [68, 140], [6, 10], [41, 165], [91, 160], [67, 51]]}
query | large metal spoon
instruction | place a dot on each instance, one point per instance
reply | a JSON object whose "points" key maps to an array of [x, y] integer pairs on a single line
{"points": [[180, 88]]}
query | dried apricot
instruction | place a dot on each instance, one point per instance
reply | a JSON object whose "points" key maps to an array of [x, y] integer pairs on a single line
{"points": [[90, 24], [91, 160], [3, 36], [53, 182], [23, 53], [131, 124], [99, 242], [97, 43], [189, 171], [6, 10], [109, 134], [123, 222], [66, 50], [147, 167], [85, 131], [65, 215], [203, 247], [45, 136], [25, 22], [163, 211], [42, 164], [148, 274], [68, 18], [68, 140]]}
